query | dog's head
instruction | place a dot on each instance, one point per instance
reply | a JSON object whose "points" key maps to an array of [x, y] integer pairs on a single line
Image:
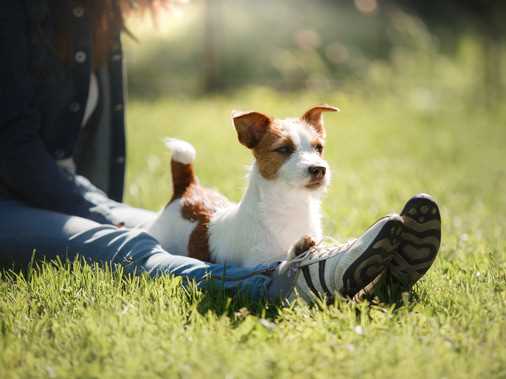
{"points": [[289, 150]]}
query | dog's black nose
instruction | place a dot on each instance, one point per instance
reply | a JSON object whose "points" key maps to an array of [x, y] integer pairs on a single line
{"points": [[317, 172]]}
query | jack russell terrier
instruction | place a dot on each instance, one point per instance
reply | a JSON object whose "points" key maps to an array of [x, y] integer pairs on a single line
{"points": [[280, 205]]}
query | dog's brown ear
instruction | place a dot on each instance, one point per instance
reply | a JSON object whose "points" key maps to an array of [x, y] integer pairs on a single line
{"points": [[250, 127], [315, 119]]}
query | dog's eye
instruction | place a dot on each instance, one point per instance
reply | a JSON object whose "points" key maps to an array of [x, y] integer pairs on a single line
{"points": [[285, 150], [319, 148]]}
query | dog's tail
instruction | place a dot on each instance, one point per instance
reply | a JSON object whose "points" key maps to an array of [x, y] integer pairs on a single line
{"points": [[183, 176]]}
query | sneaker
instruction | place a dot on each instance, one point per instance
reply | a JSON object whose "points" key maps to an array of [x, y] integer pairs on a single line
{"points": [[350, 268], [420, 240]]}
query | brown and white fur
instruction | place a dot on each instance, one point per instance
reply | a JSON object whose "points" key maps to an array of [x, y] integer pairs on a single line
{"points": [[281, 203]]}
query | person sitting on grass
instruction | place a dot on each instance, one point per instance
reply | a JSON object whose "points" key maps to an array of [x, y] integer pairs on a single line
{"points": [[62, 128]]}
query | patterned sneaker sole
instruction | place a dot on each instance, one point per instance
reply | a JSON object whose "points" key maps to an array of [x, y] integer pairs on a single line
{"points": [[373, 261], [420, 240]]}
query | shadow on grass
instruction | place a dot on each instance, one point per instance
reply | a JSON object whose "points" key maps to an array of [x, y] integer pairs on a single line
{"points": [[389, 292], [233, 304]]}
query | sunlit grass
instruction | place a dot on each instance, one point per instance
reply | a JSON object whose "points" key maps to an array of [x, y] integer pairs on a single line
{"points": [[82, 322]]}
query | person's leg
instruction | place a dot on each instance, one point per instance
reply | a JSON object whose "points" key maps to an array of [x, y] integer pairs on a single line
{"points": [[119, 214], [131, 217], [25, 230]]}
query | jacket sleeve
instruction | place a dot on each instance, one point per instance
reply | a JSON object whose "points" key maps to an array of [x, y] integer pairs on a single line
{"points": [[26, 167]]}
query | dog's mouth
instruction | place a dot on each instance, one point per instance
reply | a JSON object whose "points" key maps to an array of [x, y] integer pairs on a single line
{"points": [[315, 184]]}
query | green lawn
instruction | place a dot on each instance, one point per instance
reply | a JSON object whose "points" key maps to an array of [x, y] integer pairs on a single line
{"points": [[82, 322]]}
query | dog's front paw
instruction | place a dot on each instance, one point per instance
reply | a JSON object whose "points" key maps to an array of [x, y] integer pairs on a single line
{"points": [[304, 244]]}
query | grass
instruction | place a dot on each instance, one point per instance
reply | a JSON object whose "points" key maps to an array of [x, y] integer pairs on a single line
{"points": [[75, 321]]}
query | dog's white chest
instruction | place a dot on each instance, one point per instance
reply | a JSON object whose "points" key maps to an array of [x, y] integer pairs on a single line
{"points": [[263, 227]]}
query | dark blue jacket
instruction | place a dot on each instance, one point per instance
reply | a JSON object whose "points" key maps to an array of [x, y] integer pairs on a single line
{"points": [[42, 103]]}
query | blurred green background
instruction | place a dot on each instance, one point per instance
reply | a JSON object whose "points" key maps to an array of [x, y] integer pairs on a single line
{"points": [[427, 52]]}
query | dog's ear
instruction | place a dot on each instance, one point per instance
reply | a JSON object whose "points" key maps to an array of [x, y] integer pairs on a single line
{"points": [[314, 117], [250, 127]]}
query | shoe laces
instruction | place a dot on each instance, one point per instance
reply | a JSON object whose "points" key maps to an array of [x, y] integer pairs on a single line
{"points": [[326, 248]]}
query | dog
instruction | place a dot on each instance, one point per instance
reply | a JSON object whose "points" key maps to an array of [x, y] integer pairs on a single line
{"points": [[280, 205]]}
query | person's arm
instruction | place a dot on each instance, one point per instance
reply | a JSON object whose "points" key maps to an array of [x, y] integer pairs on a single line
{"points": [[26, 167]]}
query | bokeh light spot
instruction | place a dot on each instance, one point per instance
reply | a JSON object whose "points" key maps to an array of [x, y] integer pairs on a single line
{"points": [[337, 53], [307, 39], [366, 6]]}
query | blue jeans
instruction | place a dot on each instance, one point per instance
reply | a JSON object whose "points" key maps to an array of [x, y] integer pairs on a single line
{"points": [[26, 231]]}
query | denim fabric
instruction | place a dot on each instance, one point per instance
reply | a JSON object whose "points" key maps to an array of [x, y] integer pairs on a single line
{"points": [[28, 232]]}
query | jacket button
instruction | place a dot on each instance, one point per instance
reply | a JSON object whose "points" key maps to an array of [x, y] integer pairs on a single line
{"points": [[74, 107], [116, 57], [80, 56], [78, 11], [118, 107], [120, 160]]}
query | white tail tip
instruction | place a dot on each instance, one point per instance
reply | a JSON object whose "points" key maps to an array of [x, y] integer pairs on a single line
{"points": [[182, 151]]}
